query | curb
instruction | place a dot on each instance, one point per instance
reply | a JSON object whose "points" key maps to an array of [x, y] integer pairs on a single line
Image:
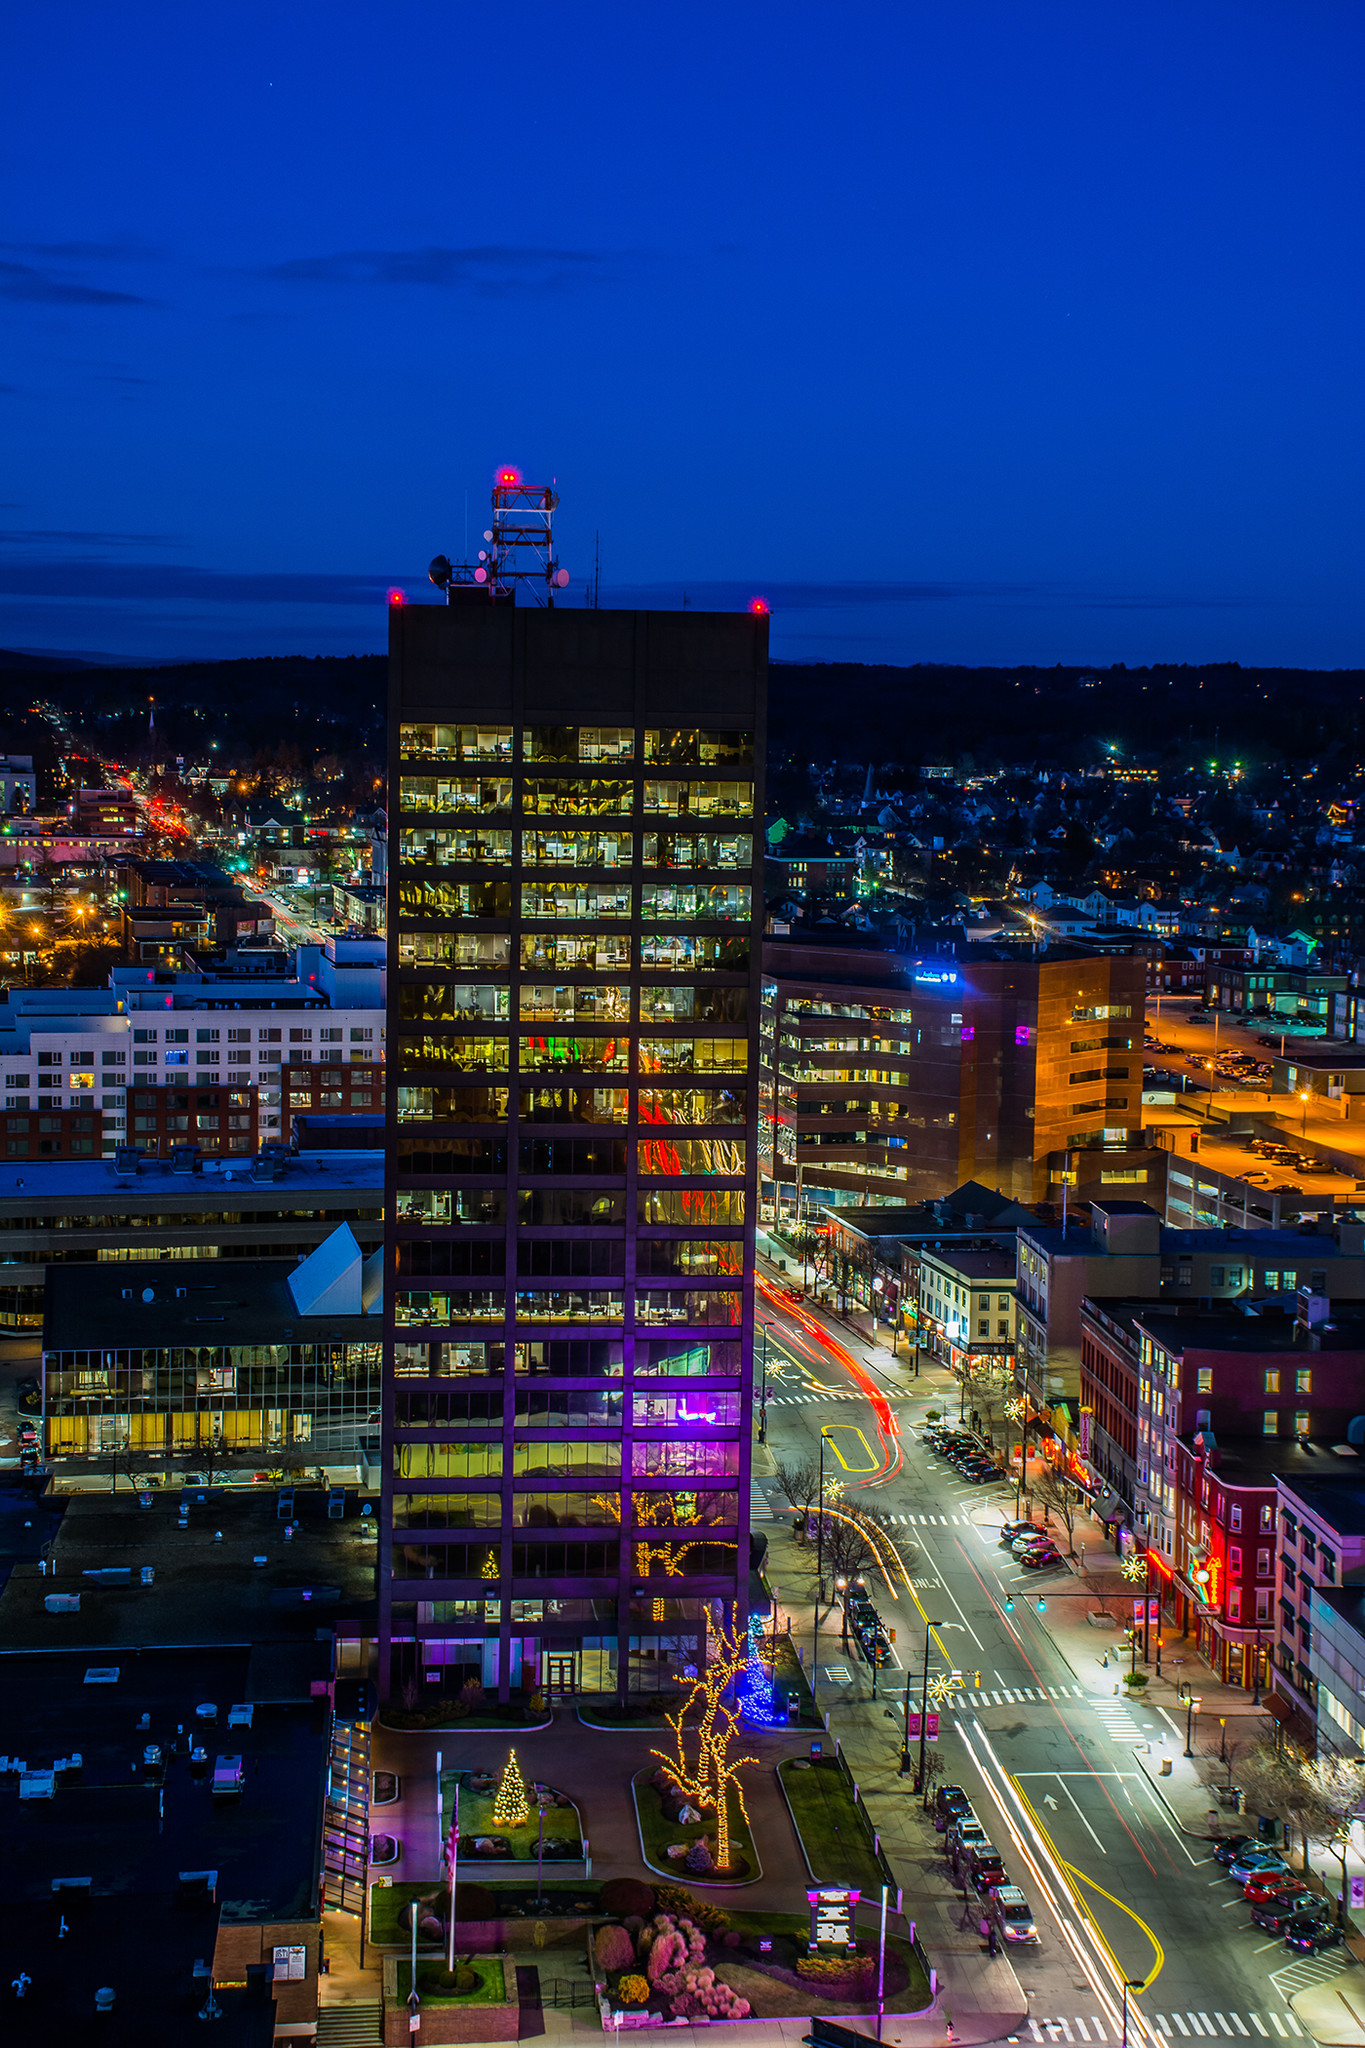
{"points": [[1193, 1833], [468, 1727]]}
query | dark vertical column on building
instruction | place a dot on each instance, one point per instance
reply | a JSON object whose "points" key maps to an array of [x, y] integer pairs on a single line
{"points": [[571, 1173]]}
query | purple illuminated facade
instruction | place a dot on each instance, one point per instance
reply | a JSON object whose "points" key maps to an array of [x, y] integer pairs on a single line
{"points": [[575, 897]]}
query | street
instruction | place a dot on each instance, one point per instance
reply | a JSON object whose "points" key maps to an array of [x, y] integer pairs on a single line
{"points": [[1038, 1731]]}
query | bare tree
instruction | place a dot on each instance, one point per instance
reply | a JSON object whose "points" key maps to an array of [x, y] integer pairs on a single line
{"points": [[1058, 1495], [799, 1479], [1278, 1777], [1339, 1788]]}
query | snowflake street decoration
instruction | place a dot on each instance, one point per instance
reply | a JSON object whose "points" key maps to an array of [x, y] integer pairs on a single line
{"points": [[940, 1689], [1135, 1566]]}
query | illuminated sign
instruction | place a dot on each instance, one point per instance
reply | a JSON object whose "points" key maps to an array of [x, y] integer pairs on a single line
{"points": [[934, 976]]}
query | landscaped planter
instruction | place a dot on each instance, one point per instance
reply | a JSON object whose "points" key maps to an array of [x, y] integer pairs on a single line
{"points": [[835, 1839], [563, 1827], [490, 2012], [657, 1834]]}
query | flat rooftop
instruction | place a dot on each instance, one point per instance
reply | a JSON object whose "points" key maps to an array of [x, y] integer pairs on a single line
{"points": [[110, 1826], [205, 1592], [193, 1302], [1337, 1500], [1261, 1460], [41, 1185]]}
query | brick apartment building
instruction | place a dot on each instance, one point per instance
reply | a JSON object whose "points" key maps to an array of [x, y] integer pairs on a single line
{"points": [[1223, 1404]]}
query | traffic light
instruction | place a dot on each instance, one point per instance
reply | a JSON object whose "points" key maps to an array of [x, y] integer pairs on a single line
{"points": [[1042, 1604], [1009, 1604], [976, 1680]]}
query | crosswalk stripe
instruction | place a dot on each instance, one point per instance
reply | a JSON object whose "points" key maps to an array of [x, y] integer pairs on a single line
{"points": [[1222, 2023], [1180, 2023], [1066, 2029], [1294, 2023], [1259, 2025], [1277, 2024], [1100, 2034], [1237, 2022], [1164, 2024], [1082, 2028], [1208, 2023], [1037, 2030]]}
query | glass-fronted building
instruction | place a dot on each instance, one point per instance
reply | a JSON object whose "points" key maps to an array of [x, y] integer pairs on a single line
{"points": [[575, 906]]}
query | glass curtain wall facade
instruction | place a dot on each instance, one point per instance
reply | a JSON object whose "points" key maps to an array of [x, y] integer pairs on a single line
{"points": [[574, 908]]}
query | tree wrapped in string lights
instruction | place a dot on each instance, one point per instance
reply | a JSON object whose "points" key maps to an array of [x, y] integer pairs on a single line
{"points": [[707, 1778]]}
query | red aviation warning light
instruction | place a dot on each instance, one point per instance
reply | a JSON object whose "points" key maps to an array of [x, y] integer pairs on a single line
{"points": [[397, 596], [509, 476], [759, 607]]}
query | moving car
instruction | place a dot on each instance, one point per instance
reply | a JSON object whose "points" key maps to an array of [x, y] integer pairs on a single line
{"points": [[1311, 1932], [1275, 1914], [1011, 1913]]}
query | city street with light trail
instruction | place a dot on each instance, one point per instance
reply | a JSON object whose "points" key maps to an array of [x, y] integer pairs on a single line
{"points": [[1062, 1768]]}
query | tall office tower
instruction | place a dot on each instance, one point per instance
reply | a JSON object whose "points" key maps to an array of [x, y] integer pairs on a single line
{"points": [[574, 904]]}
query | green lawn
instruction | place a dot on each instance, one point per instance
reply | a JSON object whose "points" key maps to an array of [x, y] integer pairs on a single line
{"points": [[389, 1902], [491, 1988], [657, 1833], [562, 1823], [834, 1835]]}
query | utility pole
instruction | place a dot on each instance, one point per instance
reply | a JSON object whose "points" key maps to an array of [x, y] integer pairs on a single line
{"points": [[924, 1706]]}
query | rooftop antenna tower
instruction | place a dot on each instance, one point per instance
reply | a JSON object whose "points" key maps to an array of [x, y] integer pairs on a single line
{"points": [[518, 551]]}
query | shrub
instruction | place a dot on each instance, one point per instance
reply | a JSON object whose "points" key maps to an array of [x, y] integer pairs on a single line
{"points": [[850, 1976], [475, 1902], [625, 1896], [671, 1898], [461, 1978], [615, 1949], [731, 1940], [698, 1857], [633, 1991], [471, 1695], [1135, 1680]]}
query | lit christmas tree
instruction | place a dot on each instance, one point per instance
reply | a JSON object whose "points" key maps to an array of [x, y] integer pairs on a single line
{"points": [[510, 1809]]}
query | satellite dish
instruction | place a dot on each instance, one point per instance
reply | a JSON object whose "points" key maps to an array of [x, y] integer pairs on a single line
{"points": [[483, 554], [561, 577], [481, 575], [488, 533], [441, 572], [149, 1294]]}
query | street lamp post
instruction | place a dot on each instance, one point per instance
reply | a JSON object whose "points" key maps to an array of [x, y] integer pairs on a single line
{"points": [[1130, 1984], [819, 1570], [1192, 1702], [763, 1397], [1256, 1670], [929, 1626]]}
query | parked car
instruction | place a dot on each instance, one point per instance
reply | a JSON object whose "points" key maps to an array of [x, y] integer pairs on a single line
{"points": [[1251, 1862], [1010, 1532], [1224, 1851], [1031, 1542], [1042, 1559], [1012, 1913], [1275, 1914], [950, 1797], [1312, 1932], [987, 1869]]}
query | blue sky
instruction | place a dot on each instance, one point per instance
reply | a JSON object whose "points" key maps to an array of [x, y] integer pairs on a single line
{"points": [[966, 332]]}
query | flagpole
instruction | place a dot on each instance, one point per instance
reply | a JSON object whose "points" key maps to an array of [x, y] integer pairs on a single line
{"points": [[454, 1862]]}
